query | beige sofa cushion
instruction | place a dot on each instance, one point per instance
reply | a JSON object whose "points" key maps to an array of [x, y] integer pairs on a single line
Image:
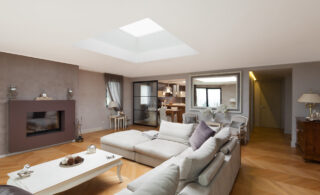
{"points": [[161, 149], [165, 182], [211, 170], [229, 146], [222, 136], [176, 132], [193, 164], [124, 139]]}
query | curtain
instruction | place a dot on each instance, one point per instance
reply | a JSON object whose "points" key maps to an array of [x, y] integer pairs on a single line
{"points": [[114, 89]]}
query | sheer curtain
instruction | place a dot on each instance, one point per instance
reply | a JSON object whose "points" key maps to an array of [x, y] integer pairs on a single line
{"points": [[114, 89]]}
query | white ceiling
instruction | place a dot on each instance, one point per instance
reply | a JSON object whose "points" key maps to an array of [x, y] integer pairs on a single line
{"points": [[227, 34]]}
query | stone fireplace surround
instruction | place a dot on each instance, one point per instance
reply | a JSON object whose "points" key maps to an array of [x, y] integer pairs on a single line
{"points": [[18, 109]]}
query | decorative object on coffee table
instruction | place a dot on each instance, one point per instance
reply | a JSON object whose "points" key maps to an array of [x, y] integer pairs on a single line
{"points": [[310, 99], [79, 138], [69, 94], [25, 172], [91, 149], [71, 161], [12, 92]]}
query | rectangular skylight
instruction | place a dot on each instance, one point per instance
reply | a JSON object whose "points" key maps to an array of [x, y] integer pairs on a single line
{"points": [[218, 79], [142, 27]]}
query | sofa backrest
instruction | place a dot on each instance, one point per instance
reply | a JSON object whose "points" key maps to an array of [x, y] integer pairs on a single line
{"points": [[176, 132]]}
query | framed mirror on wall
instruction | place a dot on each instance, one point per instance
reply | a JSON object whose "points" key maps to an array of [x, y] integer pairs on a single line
{"points": [[212, 90]]}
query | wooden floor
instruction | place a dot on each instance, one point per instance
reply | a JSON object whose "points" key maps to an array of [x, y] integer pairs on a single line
{"points": [[269, 166]]}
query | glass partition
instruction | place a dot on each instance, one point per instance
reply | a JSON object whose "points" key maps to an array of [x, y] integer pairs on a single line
{"points": [[145, 98]]}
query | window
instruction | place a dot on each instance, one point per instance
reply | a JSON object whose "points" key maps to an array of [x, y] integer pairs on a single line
{"points": [[145, 94], [208, 97]]}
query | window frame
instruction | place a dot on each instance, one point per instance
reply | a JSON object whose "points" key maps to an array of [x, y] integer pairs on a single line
{"points": [[207, 94], [239, 84]]}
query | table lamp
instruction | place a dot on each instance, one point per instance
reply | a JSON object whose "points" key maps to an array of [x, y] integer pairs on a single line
{"points": [[113, 106], [310, 99]]}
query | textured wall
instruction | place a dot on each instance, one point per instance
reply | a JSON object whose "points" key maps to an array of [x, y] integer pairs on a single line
{"points": [[32, 75], [91, 102]]}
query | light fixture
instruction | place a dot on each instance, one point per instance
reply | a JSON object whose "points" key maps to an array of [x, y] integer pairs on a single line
{"points": [[252, 75], [218, 79], [168, 89], [310, 99], [142, 27]]}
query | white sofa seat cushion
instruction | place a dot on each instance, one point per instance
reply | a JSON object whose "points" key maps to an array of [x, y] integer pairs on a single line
{"points": [[193, 164], [211, 170], [124, 139], [165, 182], [161, 149], [176, 132]]}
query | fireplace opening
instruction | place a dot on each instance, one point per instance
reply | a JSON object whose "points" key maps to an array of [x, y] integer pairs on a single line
{"points": [[43, 122]]}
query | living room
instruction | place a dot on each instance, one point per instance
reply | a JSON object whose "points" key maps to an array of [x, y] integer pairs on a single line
{"points": [[77, 85]]}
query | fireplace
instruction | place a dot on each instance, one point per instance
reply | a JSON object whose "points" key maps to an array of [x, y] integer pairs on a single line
{"points": [[34, 124], [43, 122]]}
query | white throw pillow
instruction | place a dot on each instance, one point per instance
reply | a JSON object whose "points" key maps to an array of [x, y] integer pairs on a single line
{"points": [[211, 170], [222, 136], [193, 164], [229, 146], [163, 183], [176, 132]]}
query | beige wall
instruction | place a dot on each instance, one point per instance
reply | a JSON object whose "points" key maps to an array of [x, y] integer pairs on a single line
{"points": [[32, 75]]}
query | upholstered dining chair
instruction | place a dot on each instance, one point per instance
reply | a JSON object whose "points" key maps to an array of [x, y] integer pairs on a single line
{"points": [[163, 114]]}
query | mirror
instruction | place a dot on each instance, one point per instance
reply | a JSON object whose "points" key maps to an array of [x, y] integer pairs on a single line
{"points": [[210, 91]]}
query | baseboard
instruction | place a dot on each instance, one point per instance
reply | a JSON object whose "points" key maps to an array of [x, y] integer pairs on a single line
{"points": [[84, 131], [14, 153]]}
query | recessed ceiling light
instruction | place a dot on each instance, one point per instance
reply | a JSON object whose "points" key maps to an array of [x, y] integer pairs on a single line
{"points": [[218, 79], [142, 27]]}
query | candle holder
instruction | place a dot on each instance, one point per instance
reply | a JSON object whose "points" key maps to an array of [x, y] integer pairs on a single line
{"points": [[12, 92]]}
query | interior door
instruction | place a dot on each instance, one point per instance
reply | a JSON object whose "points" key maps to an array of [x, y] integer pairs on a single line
{"points": [[270, 104], [145, 99]]}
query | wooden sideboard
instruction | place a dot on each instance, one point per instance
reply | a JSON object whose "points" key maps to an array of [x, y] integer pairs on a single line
{"points": [[308, 138]]}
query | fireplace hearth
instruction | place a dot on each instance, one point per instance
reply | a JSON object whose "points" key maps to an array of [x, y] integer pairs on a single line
{"points": [[34, 124]]}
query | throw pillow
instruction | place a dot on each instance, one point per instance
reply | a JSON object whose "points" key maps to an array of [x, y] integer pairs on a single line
{"points": [[176, 132], [222, 136], [194, 163], [228, 147], [200, 135], [163, 183], [211, 170]]}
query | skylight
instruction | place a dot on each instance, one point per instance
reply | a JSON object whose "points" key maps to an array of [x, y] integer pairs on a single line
{"points": [[218, 79], [142, 27]]}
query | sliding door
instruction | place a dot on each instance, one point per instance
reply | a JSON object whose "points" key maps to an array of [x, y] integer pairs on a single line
{"points": [[145, 100]]}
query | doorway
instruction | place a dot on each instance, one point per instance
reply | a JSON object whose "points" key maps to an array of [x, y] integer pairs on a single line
{"points": [[271, 99]]}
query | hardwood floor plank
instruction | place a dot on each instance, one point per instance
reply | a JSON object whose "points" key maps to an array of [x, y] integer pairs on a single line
{"points": [[269, 166]]}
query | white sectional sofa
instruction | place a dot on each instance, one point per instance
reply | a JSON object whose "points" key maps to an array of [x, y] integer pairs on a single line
{"points": [[171, 147]]}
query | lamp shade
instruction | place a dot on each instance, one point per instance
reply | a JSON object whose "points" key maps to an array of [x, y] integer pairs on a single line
{"points": [[309, 98], [113, 104]]}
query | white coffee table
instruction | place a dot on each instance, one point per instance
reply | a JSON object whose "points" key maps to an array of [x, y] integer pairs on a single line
{"points": [[50, 178]]}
